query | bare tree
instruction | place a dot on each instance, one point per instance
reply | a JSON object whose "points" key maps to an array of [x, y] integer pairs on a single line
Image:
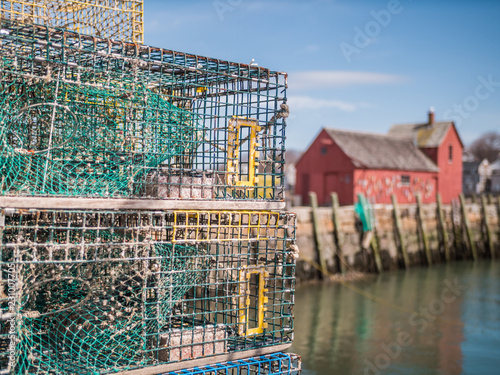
{"points": [[487, 146]]}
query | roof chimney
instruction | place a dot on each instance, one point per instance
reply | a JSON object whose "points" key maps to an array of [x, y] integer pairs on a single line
{"points": [[431, 116]]}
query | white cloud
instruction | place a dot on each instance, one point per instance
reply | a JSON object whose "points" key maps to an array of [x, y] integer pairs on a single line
{"points": [[308, 102], [337, 78]]}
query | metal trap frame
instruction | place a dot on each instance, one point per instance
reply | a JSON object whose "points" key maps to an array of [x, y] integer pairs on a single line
{"points": [[84, 116], [116, 19], [271, 364], [100, 291]]}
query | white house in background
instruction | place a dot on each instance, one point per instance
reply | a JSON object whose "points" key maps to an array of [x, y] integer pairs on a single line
{"points": [[476, 177], [495, 176], [468, 156]]}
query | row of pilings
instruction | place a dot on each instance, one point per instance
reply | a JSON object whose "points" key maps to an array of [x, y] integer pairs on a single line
{"points": [[331, 239]]}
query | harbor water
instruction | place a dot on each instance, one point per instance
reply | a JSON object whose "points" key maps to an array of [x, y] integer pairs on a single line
{"points": [[444, 319]]}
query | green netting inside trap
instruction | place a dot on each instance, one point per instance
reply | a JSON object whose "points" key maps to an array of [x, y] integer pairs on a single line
{"points": [[98, 316], [182, 268], [105, 291], [97, 139]]}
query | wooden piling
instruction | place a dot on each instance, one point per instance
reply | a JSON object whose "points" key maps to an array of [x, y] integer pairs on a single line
{"points": [[375, 244], [490, 198], [400, 242], [498, 218], [468, 231], [456, 221], [336, 239], [317, 237], [473, 198], [487, 239], [498, 215], [442, 228], [425, 240]]}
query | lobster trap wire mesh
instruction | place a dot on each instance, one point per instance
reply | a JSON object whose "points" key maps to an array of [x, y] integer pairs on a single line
{"points": [[84, 116], [271, 364], [116, 19], [92, 292]]}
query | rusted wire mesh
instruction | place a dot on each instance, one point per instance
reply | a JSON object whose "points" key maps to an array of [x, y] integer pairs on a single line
{"points": [[102, 291], [85, 116], [116, 19]]}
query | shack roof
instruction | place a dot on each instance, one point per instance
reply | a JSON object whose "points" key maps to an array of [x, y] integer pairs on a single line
{"points": [[377, 151], [425, 135]]}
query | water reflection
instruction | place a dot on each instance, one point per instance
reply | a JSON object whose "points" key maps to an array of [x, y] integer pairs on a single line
{"points": [[440, 320]]}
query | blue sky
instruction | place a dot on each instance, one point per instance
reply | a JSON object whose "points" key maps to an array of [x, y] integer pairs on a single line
{"points": [[358, 64]]}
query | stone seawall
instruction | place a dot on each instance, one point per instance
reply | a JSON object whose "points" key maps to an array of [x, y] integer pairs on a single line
{"points": [[431, 244]]}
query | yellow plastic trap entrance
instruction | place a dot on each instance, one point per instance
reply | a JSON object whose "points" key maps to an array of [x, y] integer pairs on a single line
{"points": [[245, 300], [209, 226], [235, 142]]}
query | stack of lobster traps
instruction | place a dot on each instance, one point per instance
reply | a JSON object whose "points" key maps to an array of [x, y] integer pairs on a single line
{"points": [[142, 222]]}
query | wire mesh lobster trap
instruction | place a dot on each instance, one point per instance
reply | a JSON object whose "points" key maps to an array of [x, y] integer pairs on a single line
{"points": [[271, 364], [97, 291], [91, 117], [116, 19]]}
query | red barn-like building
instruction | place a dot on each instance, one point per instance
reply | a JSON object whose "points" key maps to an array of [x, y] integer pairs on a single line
{"points": [[442, 144], [413, 158]]}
